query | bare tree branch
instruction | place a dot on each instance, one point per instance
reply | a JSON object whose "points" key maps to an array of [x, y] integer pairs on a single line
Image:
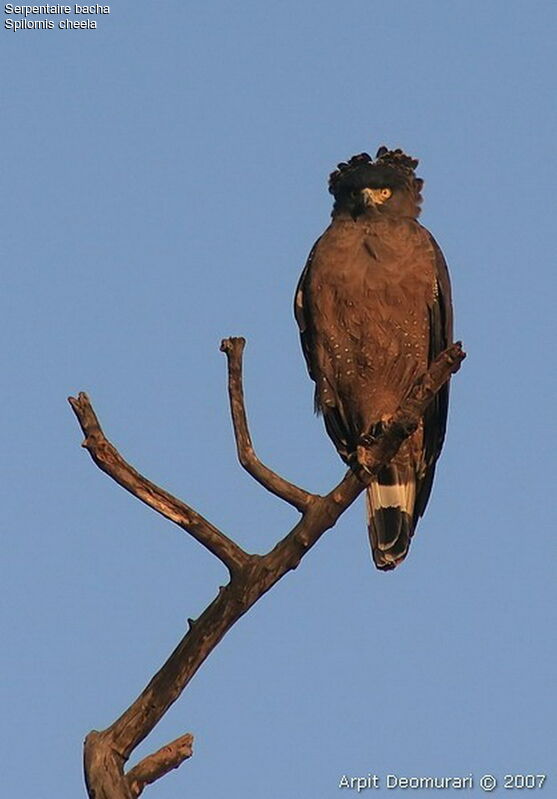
{"points": [[154, 766], [234, 348], [374, 453], [107, 458], [106, 752]]}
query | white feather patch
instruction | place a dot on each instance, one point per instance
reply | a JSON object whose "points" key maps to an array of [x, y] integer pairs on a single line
{"points": [[399, 495]]}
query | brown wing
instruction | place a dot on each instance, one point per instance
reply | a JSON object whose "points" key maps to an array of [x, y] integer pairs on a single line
{"points": [[300, 314], [335, 423], [435, 418]]}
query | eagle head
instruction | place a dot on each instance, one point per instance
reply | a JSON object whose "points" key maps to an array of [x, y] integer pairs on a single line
{"points": [[387, 185]]}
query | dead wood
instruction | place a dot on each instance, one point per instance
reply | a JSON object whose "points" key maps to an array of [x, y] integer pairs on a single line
{"points": [[106, 753]]}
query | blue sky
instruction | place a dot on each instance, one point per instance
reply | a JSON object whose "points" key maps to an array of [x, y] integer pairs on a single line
{"points": [[164, 179]]}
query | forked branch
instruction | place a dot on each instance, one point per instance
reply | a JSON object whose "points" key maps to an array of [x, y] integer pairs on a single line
{"points": [[234, 349], [155, 766], [107, 458], [107, 752]]}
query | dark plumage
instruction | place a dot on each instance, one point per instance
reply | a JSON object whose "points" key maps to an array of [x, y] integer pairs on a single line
{"points": [[374, 309]]}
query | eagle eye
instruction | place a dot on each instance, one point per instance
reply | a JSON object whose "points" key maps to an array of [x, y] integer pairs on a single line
{"points": [[386, 193]]}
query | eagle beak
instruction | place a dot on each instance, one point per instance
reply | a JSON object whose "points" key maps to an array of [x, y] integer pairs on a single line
{"points": [[368, 197]]}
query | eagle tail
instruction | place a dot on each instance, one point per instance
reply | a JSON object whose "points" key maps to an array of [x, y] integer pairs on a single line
{"points": [[390, 500]]}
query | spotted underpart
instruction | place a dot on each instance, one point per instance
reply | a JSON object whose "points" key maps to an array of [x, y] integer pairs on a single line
{"points": [[373, 307]]}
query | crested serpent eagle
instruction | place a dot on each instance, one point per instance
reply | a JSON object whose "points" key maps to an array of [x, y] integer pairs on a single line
{"points": [[373, 306]]}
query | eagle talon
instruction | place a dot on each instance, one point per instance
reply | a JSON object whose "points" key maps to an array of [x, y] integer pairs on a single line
{"points": [[377, 429], [362, 454]]}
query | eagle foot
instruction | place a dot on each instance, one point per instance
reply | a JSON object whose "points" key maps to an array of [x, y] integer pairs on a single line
{"points": [[365, 443], [376, 430], [362, 454], [367, 440]]}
